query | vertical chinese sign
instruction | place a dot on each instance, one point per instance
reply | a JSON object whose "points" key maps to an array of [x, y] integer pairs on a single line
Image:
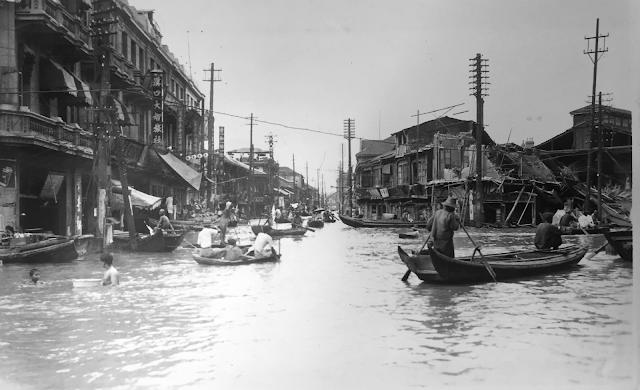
{"points": [[220, 166], [157, 86]]}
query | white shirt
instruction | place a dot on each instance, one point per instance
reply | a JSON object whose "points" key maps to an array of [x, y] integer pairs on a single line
{"points": [[261, 242], [585, 221], [205, 237], [557, 217]]}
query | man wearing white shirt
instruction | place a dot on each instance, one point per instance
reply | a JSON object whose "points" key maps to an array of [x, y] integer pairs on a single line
{"points": [[262, 246], [585, 220], [207, 236]]}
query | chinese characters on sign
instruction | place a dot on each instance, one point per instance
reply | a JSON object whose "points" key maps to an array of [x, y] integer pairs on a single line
{"points": [[180, 126], [220, 167], [157, 86]]}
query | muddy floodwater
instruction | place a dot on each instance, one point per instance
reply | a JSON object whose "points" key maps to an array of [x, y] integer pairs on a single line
{"points": [[332, 314]]}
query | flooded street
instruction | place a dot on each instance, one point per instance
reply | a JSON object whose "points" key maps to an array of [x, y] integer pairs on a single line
{"points": [[333, 313]]}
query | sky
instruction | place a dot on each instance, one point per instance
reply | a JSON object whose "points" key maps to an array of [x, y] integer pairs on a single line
{"points": [[313, 64]]}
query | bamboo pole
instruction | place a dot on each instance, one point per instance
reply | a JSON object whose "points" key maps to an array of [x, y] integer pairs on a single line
{"points": [[514, 206], [525, 207]]}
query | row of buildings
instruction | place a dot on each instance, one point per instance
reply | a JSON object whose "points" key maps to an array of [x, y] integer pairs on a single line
{"points": [[416, 168], [81, 76]]}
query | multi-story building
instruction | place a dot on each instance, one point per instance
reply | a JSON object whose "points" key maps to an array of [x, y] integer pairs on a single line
{"points": [[55, 102]]}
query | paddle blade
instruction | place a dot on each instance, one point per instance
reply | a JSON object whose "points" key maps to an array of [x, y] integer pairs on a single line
{"points": [[406, 275]]}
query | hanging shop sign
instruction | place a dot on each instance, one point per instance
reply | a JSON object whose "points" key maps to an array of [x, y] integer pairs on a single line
{"points": [[190, 157], [157, 86]]}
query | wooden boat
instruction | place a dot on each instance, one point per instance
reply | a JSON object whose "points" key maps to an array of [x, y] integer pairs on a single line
{"points": [[183, 224], [513, 264], [209, 261], [380, 223], [591, 230], [294, 231], [316, 223], [161, 241], [413, 234], [621, 241], [421, 265], [43, 248], [282, 220]]}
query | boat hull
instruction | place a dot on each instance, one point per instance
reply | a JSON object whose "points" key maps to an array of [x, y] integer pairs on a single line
{"points": [[621, 241], [222, 262], [421, 265], [382, 223], [508, 265], [47, 251], [161, 241], [315, 224], [278, 232]]}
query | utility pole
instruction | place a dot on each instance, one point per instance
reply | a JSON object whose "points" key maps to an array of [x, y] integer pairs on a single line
{"points": [[600, 146], [211, 187], [596, 51], [349, 133], [318, 186], [477, 73], [341, 178], [249, 197], [323, 193], [295, 195], [102, 31], [306, 164]]}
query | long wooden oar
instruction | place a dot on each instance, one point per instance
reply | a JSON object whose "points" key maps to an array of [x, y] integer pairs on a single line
{"points": [[304, 227], [408, 273], [484, 261], [591, 255]]}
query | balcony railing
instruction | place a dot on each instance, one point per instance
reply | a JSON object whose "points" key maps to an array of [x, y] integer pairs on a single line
{"points": [[55, 13], [28, 125]]}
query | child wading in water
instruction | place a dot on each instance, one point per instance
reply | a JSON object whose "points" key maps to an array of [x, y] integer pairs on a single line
{"points": [[34, 276], [111, 276]]}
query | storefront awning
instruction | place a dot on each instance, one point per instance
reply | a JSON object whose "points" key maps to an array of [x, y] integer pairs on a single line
{"points": [[192, 177], [138, 198], [122, 114], [59, 80]]}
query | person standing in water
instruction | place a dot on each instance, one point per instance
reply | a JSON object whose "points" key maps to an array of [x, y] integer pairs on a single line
{"points": [[111, 276]]}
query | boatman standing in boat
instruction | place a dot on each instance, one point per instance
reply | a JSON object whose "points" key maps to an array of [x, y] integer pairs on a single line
{"points": [[442, 225]]}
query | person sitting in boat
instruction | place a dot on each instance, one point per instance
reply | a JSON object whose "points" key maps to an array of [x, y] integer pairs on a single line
{"points": [[8, 233], [586, 220], [207, 235], [297, 219], [111, 276], [233, 252], [406, 217], [548, 236], [442, 225], [568, 219], [263, 246], [163, 222]]}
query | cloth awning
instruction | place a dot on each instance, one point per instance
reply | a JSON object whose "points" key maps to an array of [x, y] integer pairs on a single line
{"points": [[58, 79], [281, 192], [191, 176], [122, 114], [138, 198], [84, 93]]}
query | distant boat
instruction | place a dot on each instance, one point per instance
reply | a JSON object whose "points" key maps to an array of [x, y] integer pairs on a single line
{"points": [[295, 231], [379, 223], [413, 234]]}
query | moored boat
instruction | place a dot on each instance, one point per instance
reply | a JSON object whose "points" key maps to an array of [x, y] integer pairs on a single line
{"points": [[160, 241], [379, 223], [506, 265], [315, 223], [41, 249], [622, 241], [421, 265]]}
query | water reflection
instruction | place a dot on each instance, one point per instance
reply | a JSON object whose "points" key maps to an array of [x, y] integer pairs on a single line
{"points": [[332, 313]]}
